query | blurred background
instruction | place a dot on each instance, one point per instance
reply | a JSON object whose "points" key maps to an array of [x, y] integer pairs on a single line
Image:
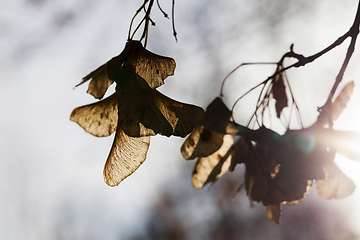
{"points": [[51, 182]]}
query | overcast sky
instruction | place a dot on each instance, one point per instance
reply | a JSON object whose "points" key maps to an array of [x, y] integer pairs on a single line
{"points": [[51, 170]]}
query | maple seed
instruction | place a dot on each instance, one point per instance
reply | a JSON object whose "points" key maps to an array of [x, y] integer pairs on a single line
{"points": [[211, 147], [279, 93], [210, 168], [340, 102]]}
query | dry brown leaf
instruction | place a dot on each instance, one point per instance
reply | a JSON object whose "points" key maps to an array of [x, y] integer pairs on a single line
{"points": [[205, 165], [146, 112], [100, 118], [279, 93], [336, 184], [340, 102], [126, 155], [273, 212]]}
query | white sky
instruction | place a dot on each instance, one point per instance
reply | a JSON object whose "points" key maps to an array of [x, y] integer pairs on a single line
{"points": [[51, 170]]}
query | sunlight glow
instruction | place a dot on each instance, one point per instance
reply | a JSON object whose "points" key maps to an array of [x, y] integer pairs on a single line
{"points": [[351, 168]]}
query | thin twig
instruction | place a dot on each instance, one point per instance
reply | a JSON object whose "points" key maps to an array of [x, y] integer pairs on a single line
{"points": [[234, 70], [293, 102], [132, 20], [147, 21], [237, 100], [163, 12], [259, 104], [137, 28], [353, 33], [173, 19]]}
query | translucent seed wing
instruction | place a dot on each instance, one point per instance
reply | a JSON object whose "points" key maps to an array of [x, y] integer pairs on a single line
{"points": [[203, 170], [342, 99], [150, 66], [273, 212], [202, 142], [336, 184], [126, 156], [182, 117], [99, 119], [99, 83]]}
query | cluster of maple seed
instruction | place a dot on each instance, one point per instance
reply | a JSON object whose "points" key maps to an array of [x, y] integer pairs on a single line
{"points": [[280, 169], [136, 111]]}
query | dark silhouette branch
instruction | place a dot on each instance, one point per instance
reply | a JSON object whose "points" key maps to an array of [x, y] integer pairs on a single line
{"points": [[353, 33], [325, 110], [302, 61]]}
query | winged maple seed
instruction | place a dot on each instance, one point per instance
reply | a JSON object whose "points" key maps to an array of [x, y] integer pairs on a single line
{"points": [[279, 93], [209, 146], [136, 111], [340, 102]]}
